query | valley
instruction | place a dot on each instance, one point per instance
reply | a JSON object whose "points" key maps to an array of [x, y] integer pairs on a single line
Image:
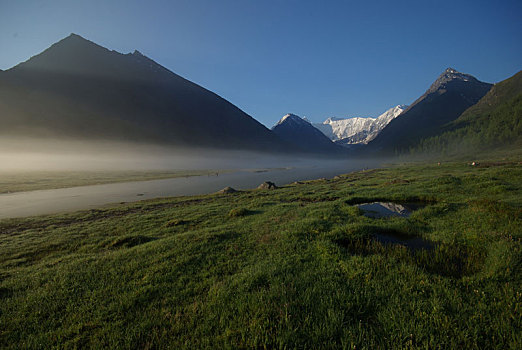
{"points": [[141, 210], [298, 265]]}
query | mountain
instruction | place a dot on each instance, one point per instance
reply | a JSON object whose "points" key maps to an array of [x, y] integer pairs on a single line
{"points": [[78, 89], [493, 122], [349, 131], [446, 99], [303, 135]]}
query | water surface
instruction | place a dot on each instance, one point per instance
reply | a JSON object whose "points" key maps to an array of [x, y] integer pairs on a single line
{"points": [[21, 204], [411, 243], [387, 209]]}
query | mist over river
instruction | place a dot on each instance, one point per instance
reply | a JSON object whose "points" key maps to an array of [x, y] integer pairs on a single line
{"points": [[22, 204]]}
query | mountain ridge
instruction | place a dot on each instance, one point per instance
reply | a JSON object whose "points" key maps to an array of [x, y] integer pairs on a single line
{"points": [[357, 130], [79, 89], [494, 122], [444, 101]]}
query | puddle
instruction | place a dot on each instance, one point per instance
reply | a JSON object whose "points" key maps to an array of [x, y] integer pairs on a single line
{"points": [[388, 209], [379, 243], [411, 243]]}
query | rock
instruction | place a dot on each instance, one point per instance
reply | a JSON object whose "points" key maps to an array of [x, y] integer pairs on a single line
{"points": [[267, 185], [227, 190]]}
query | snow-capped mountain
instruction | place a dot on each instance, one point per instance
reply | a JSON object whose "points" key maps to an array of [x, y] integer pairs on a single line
{"points": [[300, 132], [357, 130], [292, 120]]}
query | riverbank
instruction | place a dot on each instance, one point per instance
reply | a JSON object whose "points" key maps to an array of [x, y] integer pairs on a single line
{"points": [[53, 201]]}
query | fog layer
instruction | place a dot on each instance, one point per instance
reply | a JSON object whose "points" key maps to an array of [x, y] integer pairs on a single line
{"points": [[30, 154]]}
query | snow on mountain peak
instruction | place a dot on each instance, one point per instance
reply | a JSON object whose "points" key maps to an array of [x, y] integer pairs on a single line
{"points": [[292, 119], [358, 129], [333, 119], [448, 75]]}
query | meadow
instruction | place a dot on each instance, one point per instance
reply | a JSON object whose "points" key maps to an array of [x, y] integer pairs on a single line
{"points": [[293, 267]]}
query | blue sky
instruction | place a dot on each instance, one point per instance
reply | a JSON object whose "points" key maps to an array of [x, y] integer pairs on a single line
{"points": [[312, 58]]}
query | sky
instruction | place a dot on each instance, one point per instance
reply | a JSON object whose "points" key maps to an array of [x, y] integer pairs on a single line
{"points": [[271, 57]]}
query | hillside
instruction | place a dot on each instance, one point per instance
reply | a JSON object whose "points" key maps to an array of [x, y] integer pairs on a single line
{"points": [[78, 89], [494, 122], [446, 99]]}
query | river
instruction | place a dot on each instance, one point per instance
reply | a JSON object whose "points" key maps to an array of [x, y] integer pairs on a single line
{"points": [[41, 202]]}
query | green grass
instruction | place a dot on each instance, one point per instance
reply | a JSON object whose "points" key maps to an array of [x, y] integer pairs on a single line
{"points": [[289, 268], [16, 181]]}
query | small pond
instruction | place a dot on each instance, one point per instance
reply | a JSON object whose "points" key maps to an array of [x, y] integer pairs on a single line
{"points": [[388, 209]]}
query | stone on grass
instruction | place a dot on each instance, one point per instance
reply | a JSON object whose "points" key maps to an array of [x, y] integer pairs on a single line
{"points": [[227, 190], [267, 185]]}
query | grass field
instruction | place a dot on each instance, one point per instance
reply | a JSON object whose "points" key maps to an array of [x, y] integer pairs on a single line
{"points": [[16, 181], [295, 267]]}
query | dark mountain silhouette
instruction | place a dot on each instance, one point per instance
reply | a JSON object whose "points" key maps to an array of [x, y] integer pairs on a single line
{"points": [[305, 136], [493, 122], [78, 89], [447, 98]]}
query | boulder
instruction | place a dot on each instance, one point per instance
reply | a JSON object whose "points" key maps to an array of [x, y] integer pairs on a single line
{"points": [[267, 185], [227, 190]]}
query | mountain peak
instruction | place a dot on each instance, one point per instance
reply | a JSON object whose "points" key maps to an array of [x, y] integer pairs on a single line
{"points": [[79, 56], [291, 118], [77, 36], [300, 132], [333, 119], [357, 130], [65, 55], [78, 89], [75, 39], [450, 74]]}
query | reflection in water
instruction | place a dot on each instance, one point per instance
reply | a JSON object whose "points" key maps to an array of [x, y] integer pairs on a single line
{"points": [[386, 209], [389, 209]]}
